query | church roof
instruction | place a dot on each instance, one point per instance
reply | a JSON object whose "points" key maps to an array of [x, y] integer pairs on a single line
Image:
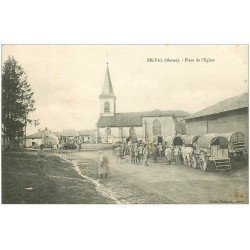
{"points": [[107, 90], [135, 118], [233, 103]]}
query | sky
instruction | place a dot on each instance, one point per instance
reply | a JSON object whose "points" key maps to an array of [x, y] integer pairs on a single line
{"points": [[68, 79]]}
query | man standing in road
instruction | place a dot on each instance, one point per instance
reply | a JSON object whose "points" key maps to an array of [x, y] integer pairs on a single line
{"points": [[118, 153], [140, 153], [154, 152], [168, 155], [187, 153], [41, 160], [103, 165], [160, 148], [176, 152], [146, 154]]}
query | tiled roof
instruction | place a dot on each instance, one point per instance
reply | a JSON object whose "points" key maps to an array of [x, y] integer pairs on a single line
{"points": [[135, 118], [233, 103]]}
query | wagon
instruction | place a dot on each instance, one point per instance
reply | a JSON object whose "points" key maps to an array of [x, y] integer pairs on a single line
{"points": [[236, 145], [212, 152], [169, 140], [189, 140]]}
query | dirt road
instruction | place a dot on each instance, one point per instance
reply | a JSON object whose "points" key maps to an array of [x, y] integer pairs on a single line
{"points": [[72, 179], [159, 183]]}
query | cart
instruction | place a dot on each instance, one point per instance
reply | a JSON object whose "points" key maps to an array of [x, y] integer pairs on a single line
{"points": [[236, 145], [189, 140], [212, 152]]}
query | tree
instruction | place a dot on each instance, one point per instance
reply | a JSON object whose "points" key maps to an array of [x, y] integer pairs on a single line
{"points": [[17, 101]]}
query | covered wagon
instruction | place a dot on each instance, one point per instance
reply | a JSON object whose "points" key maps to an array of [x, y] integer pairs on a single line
{"points": [[169, 140], [184, 142], [212, 152], [189, 140], [236, 145]]}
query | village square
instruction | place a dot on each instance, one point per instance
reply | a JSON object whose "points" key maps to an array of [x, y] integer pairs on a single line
{"points": [[144, 157]]}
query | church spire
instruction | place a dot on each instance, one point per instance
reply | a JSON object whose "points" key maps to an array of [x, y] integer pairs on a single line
{"points": [[107, 98], [107, 90]]}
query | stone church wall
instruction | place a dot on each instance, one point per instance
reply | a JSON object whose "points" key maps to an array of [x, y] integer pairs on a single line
{"points": [[167, 126]]}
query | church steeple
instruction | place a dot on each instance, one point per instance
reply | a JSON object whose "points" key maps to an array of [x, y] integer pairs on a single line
{"points": [[107, 97], [107, 87]]}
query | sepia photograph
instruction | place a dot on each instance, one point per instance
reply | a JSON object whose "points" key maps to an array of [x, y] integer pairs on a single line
{"points": [[125, 124]]}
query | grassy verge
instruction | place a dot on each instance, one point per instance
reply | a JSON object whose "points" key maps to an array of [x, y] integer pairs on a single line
{"points": [[60, 185]]}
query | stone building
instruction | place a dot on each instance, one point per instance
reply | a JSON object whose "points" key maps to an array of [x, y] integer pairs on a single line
{"points": [[146, 126], [87, 136], [45, 137], [230, 115]]}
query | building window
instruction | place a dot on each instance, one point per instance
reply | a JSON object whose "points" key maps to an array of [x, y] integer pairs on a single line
{"points": [[132, 133], [106, 107], [156, 127]]}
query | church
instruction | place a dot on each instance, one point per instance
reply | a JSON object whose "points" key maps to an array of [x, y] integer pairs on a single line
{"points": [[154, 126]]}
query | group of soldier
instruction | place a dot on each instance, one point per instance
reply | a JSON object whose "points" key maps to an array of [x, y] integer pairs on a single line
{"points": [[140, 152]]}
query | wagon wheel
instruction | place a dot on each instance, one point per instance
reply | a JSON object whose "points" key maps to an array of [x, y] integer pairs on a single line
{"points": [[203, 162], [193, 162], [245, 156]]}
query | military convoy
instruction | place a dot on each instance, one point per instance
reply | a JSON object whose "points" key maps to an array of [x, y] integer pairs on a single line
{"points": [[213, 151]]}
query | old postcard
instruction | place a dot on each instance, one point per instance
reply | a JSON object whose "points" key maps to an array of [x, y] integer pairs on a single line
{"points": [[125, 124]]}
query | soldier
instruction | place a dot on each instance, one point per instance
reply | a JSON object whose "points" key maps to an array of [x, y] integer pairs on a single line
{"points": [[118, 153], [176, 152], [131, 151], [146, 154], [41, 160], [103, 165], [141, 153], [136, 153], [154, 152], [168, 155], [160, 148], [187, 153]]}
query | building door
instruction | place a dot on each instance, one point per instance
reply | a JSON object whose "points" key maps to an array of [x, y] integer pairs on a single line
{"points": [[159, 139], [108, 134], [132, 133]]}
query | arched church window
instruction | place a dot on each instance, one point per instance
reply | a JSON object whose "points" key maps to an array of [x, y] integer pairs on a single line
{"points": [[108, 131], [132, 133], [156, 127], [106, 107]]}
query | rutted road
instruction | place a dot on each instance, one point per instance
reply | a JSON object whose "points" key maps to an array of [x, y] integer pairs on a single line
{"points": [[161, 184]]}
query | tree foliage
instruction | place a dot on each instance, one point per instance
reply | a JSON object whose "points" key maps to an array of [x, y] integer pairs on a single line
{"points": [[17, 100]]}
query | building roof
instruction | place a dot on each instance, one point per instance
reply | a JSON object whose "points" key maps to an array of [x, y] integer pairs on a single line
{"points": [[37, 135], [233, 103], [107, 90], [68, 133], [40, 133], [86, 132], [135, 118]]}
